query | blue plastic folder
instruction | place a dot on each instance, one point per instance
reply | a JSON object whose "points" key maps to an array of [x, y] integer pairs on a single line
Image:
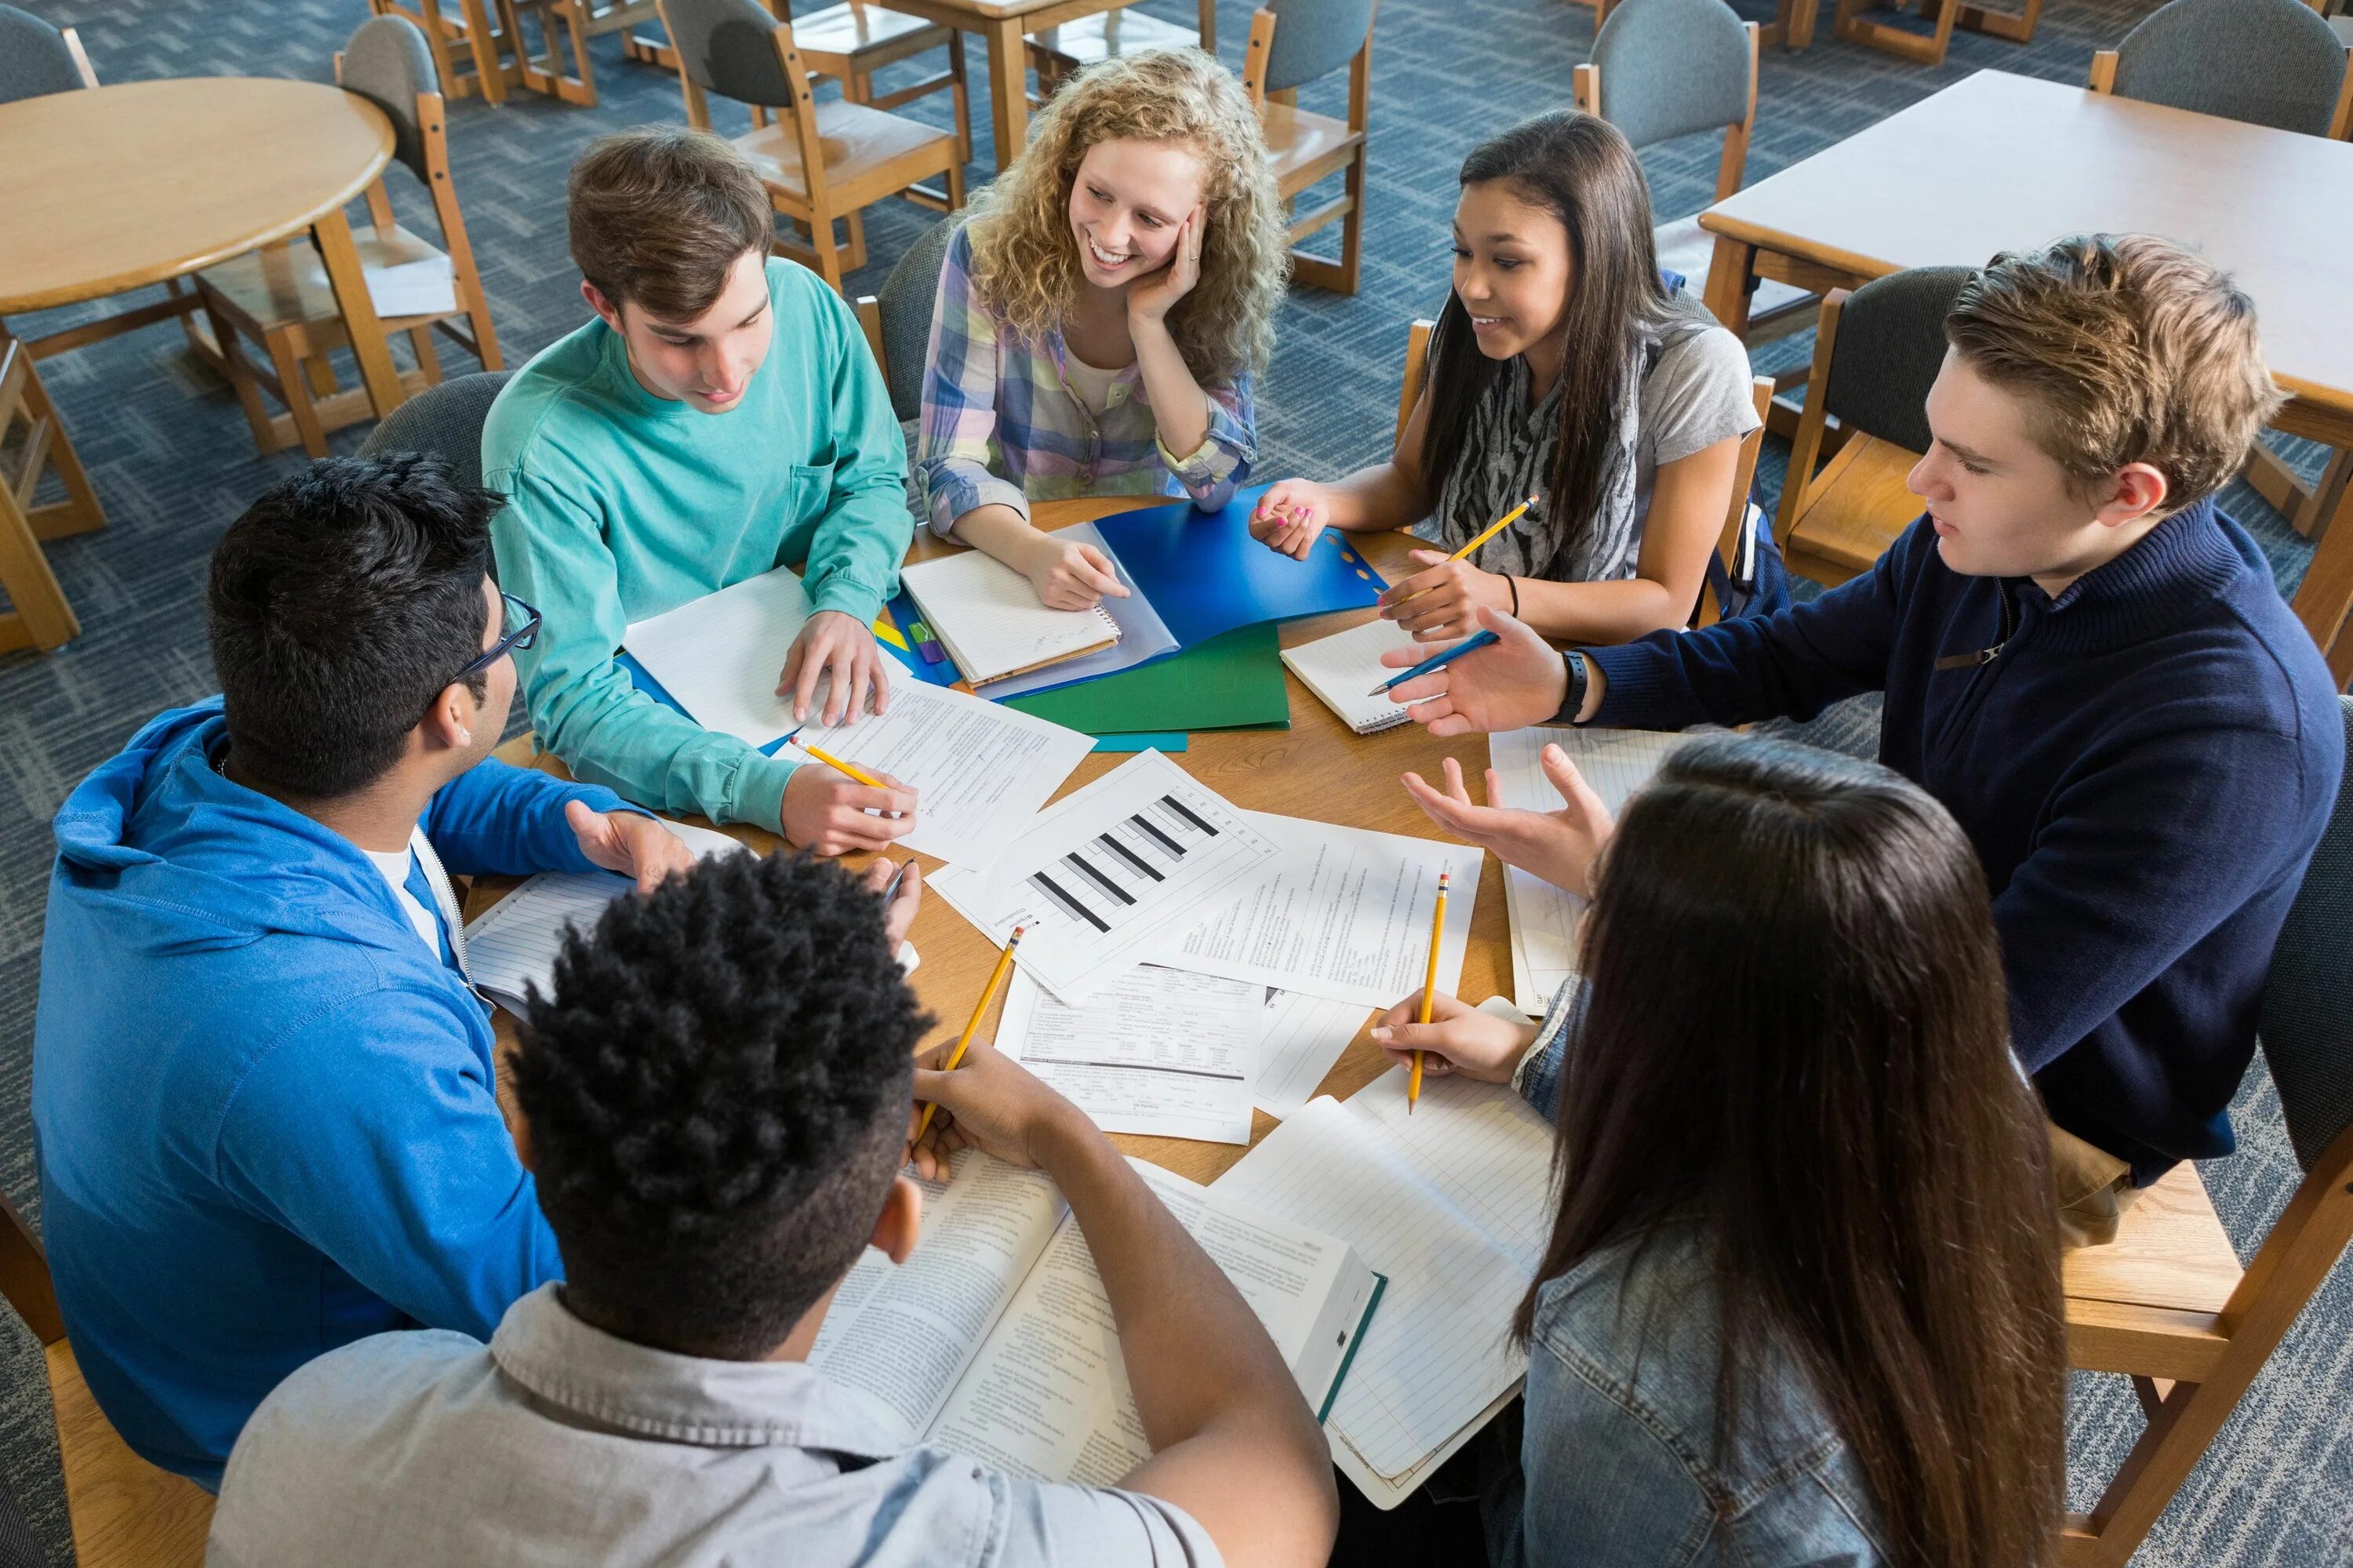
{"points": [[1206, 574]]}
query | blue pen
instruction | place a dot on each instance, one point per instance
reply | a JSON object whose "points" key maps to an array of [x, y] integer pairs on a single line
{"points": [[1482, 640]]}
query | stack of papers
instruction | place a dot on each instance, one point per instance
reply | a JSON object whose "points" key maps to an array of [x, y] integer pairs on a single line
{"points": [[1545, 918]]}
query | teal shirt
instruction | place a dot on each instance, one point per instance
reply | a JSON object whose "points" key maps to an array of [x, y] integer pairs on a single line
{"points": [[622, 505]]}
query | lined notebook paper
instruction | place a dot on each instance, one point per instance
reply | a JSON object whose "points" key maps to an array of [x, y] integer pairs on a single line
{"points": [[1544, 918], [1341, 668], [987, 617], [1453, 1204]]}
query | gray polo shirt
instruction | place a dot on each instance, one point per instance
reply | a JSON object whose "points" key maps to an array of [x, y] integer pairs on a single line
{"points": [[559, 1444]]}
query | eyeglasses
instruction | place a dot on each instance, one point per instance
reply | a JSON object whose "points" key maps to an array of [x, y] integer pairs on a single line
{"points": [[522, 631]]}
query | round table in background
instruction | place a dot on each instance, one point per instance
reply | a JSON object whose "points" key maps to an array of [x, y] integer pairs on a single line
{"points": [[114, 187]]}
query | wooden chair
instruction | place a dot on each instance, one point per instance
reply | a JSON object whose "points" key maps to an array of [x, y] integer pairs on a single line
{"points": [[850, 42], [2266, 62], [36, 59], [1876, 354], [124, 1510], [2166, 1303], [1416, 373], [819, 161], [41, 617], [1061, 52], [1293, 42], [481, 67], [1731, 544], [1676, 68], [279, 297], [561, 22]]}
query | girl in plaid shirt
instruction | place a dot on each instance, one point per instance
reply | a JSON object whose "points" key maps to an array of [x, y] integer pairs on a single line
{"points": [[1101, 316]]}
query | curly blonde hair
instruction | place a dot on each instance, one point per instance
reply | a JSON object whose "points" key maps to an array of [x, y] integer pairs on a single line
{"points": [[1025, 262]]}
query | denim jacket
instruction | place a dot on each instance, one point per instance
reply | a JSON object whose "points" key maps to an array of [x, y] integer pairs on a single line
{"points": [[1618, 1465]]}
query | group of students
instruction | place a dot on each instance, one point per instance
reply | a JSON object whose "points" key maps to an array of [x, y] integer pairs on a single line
{"points": [[1856, 1048]]}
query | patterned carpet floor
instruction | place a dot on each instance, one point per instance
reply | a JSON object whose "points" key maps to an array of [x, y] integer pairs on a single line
{"points": [[173, 463]]}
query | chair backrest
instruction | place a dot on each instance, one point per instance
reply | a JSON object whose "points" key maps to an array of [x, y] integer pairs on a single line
{"points": [[388, 63], [1736, 517], [2306, 1025], [1416, 373], [906, 301], [35, 59], [728, 47], [1890, 344], [444, 421], [2267, 62], [1312, 38], [1669, 67]]}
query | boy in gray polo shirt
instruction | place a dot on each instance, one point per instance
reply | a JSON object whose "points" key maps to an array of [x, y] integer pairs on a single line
{"points": [[717, 1099]]}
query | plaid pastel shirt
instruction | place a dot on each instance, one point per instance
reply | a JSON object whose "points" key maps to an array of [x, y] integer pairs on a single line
{"points": [[1001, 424]]}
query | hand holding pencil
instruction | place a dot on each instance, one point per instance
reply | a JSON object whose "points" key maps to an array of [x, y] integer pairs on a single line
{"points": [[980, 1010], [1441, 599]]}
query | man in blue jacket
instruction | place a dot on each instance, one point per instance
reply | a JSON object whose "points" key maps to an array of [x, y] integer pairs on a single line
{"points": [[2083, 660], [262, 1086]]}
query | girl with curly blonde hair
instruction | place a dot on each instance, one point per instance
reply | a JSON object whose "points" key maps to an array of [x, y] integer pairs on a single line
{"points": [[1102, 314]]}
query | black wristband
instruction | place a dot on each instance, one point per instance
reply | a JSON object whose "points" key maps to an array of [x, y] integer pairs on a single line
{"points": [[1574, 703], [1514, 584]]}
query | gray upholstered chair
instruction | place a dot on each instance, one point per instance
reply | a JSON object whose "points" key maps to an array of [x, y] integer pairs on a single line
{"points": [[2166, 1303], [819, 160], [2267, 62], [444, 421], [279, 300], [1673, 68], [1876, 354], [898, 322], [36, 59], [1291, 43]]}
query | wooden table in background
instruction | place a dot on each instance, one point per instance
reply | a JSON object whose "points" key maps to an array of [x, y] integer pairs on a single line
{"points": [[1316, 768], [114, 187], [1004, 25], [1999, 162]]}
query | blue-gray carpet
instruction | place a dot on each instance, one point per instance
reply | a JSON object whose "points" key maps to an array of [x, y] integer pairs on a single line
{"points": [[170, 458]]}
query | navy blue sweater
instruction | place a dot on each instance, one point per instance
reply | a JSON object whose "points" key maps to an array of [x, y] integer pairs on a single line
{"points": [[2144, 769]]}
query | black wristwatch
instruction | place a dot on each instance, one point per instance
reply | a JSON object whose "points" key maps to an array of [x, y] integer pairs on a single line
{"points": [[1574, 702]]}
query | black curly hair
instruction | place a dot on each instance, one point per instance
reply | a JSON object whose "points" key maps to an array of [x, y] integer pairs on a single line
{"points": [[717, 1093]]}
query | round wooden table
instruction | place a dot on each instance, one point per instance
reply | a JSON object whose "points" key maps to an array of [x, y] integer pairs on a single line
{"points": [[113, 187]]}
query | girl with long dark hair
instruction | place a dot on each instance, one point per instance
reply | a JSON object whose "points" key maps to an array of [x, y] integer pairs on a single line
{"points": [[1801, 1302], [1561, 367]]}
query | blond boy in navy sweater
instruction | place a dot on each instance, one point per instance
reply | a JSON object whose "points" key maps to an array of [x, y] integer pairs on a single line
{"points": [[2083, 660]]}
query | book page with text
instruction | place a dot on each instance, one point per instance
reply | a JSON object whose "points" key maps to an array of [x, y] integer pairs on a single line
{"points": [[910, 1331]]}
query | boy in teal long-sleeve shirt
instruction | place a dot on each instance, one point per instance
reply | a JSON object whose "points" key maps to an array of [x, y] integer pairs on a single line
{"points": [[721, 417]]}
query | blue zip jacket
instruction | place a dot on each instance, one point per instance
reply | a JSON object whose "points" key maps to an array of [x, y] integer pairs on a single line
{"points": [[2143, 769], [262, 1108]]}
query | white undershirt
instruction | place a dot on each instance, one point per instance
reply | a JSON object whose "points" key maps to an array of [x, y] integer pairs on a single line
{"points": [[395, 866], [1091, 382]]}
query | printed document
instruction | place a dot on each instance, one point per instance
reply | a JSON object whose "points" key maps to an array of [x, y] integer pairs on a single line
{"points": [[1345, 916], [1108, 874], [1160, 1052]]}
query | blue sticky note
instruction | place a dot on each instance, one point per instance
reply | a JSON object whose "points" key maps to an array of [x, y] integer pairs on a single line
{"points": [[1143, 740]]}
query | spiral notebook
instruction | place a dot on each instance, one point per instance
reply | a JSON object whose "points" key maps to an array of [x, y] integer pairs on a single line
{"points": [[1341, 668], [987, 617]]}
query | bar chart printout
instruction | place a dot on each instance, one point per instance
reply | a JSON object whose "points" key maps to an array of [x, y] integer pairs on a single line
{"points": [[1108, 874]]}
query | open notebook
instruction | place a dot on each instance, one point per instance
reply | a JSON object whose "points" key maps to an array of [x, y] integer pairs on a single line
{"points": [[1341, 668], [1452, 1206], [987, 617], [994, 1338]]}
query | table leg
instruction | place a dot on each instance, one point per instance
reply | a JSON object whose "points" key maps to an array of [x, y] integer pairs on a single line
{"points": [[368, 345], [1801, 23], [2326, 598], [1008, 88], [1727, 283]]}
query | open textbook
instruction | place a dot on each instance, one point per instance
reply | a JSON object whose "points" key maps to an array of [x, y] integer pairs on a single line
{"points": [[1544, 918], [513, 944], [1452, 1205], [994, 1338]]}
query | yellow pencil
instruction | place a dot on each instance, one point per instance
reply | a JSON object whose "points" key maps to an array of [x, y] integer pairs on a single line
{"points": [[988, 994], [836, 763], [1428, 985], [1492, 529]]}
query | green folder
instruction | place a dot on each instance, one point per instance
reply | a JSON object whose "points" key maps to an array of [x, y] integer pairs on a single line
{"points": [[1231, 682]]}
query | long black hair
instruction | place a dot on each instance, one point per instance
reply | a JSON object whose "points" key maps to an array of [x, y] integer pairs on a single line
{"points": [[1580, 169], [1797, 1028]]}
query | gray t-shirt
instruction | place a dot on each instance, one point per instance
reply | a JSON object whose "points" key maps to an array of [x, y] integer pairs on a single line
{"points": [[1695, 395]]}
